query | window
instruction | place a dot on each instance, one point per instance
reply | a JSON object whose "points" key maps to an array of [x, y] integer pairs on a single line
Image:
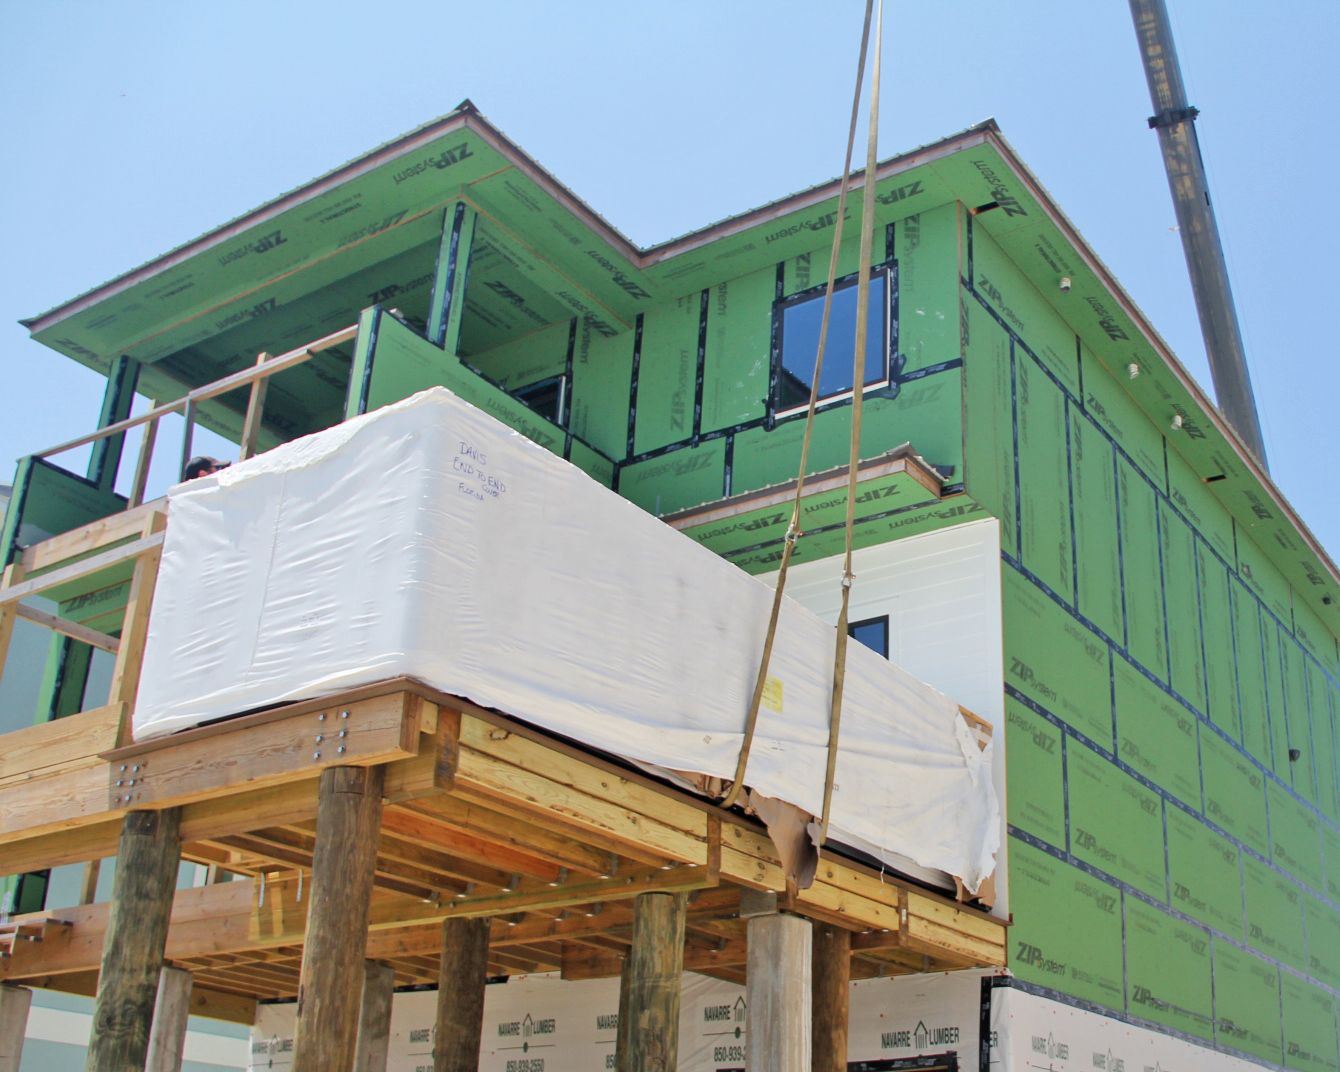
{"points": [[545, 397], [798, 340], [873, 633]]}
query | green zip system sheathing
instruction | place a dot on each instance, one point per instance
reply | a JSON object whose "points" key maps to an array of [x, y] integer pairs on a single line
{"points": [[1171, 715]]}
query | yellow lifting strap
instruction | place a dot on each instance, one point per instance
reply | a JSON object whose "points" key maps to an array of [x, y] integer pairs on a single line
{"points": [[858, 378]]}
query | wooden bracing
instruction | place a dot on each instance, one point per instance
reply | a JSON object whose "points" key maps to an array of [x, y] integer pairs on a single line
{"points": [[482, 816]]}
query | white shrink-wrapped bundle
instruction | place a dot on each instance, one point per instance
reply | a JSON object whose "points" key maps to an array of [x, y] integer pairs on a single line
{"points": [[427, 540]]}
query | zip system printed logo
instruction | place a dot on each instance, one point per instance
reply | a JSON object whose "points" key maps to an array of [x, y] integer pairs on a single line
{"points": [[999, 192], [440, 161], [264, 244], [617, 275]]}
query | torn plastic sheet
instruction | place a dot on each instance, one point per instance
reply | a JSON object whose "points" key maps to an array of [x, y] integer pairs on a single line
{"points": [[427, 540]]}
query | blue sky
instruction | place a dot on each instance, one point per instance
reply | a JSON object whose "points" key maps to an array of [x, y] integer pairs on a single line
{"points": [[134, 126]]}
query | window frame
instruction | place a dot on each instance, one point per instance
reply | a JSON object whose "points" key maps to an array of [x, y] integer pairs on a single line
{"points": [[883, 272], [879, 619]]}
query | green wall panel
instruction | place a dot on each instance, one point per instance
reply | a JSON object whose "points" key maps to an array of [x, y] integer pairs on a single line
{"points": [[1330, 850], [1309, 1027], [1206, 876], [989, 428], [540, 355], [1197, 503], [927, 414], [1035, 789], [592, 464], [1077, 950], [738, 353], [1108, 403], [1115, 823], [1251, 673], [1295, 843], [1276, 717], [1274, 912], [1053, 660], [1143, 587], [1235, 796], [1263, 578], [927, 249], [677, 480], [1221, 679], [1021, 306], [602, 369], [1098, 568], [1297, 718], [1323, 739], [1168, 970], [1314, 636], [1246, 1002], [1186, 670], [667, 374], [1156, 735], [1323, 940], [1045, 521]]}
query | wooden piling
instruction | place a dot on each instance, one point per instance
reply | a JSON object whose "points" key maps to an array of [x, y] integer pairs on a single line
{"points": [[330, 987], [14, 1003], [831, 974], [137, 925], [648, 1035], [460, 994], [374, 1020], [778, 993], [167, 1039]]}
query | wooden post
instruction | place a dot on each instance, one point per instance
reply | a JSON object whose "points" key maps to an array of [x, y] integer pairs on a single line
{"points": [[137, 926], [778, 993], [374, 1020], [251, 425], [348, 818], [14, 1002], [88, 883], [831, 975], [460, 994], [168, 1037], [135, 631], [648, 1035]]}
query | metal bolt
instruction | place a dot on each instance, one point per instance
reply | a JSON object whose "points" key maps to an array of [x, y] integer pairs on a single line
{"points": [[340, 749], [123, 766], [321, 717], [136, 767], [344, 733], [132, 781], [320, 737], [118, 781], [344, 714], [316, 755]]}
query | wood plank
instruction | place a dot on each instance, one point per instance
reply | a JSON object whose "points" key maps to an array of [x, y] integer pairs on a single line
{"points": [[135, 630], [167, 1038], [117, 556], [86, 539], [609, 819], [12, 575], [251, 424], [205, 1001], [33, 749], [830, 976]]}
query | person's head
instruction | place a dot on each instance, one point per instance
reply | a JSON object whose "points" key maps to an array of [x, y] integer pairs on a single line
{"points": [[202, 465]]}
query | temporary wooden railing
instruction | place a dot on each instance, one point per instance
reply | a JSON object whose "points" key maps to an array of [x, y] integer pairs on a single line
{"points": [[257, 378]]}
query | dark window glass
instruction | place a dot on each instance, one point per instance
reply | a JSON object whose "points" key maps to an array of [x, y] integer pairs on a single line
{"points": [[873, 633], [800, 318], [545, 397]]}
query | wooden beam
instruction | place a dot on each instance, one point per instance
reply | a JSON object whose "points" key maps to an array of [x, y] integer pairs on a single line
{"points": [[830, 979], [167, 1039], [12, 575], [460, 995], [251, 425], [74, 630], [14, 1004], [374, 1017], [347, 818], [135, 631], [647, 1039], [137, 928]]}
